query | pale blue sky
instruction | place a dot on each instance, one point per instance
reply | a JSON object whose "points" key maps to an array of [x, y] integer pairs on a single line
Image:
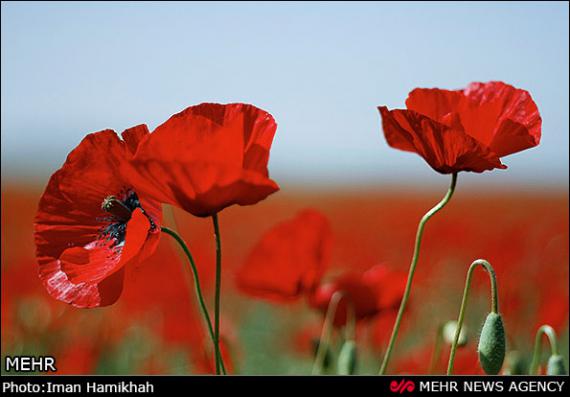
{"points": [[320, 68]]}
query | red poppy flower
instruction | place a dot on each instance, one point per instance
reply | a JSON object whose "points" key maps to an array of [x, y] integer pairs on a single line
{"points": [[376, 290], [206, 158], [464, 130], [388, 285], [79, 358], [354, 292], [289, 260], [418, 362], [91, 223]]}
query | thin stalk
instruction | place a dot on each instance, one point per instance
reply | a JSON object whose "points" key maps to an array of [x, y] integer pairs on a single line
{"points": [[326, 333], [350, 327], [436, 349], [197, 286], [412, 270], [549, 332], [218, 290], [494, 304]]}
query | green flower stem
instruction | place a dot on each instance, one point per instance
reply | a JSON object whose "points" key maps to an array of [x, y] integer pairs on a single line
{"points": [[218, 290], [326, 333], [436, 349], [412, 270], [549, 332], [494, 304], [203, 307], [350, 327]]}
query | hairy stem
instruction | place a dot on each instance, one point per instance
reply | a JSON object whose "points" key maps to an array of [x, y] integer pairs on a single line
{"points": [[494, 304], [549, 332]]}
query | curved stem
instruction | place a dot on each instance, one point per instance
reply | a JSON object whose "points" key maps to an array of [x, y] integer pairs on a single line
{"points": [[326, 333], [549, 332], [412, 270], [203, 306], [494, 304], [218, 290]]}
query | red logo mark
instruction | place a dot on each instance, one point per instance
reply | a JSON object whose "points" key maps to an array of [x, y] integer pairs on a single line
{"points": [[402, 386]]}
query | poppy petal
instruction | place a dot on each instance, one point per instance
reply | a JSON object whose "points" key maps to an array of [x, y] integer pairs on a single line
{"points": [[512, 137], [202, 189], [289, 259], [206, 158], [498, 115], [445, 149], [82, 295], [134, 135], [502, 116], [91, 276], [355, 294], [69, 213], [90, 170], [434, 102], [99, 259], [388, 285], [79, 263]]}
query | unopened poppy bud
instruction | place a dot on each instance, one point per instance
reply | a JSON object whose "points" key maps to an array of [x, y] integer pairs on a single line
{"points": [[556, 365], [346, 364], [449, 330], [492, 344]]}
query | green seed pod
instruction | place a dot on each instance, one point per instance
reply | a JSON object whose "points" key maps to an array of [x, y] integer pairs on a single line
{"points": [[346, 364], [556, 365], [492, 344], [449, 330]]}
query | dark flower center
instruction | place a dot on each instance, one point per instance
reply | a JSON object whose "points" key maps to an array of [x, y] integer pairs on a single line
{"points": [[121, 211], [117, 208]]}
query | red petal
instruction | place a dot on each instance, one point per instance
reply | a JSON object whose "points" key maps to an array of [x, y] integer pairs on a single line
{"points": [[206, 158], [90, 171], [69, 213], [445, 149], [134, 135], [289, 259], [82, 295], [69, 222], [355, 293], [433, 102], [92, 275], [388, 285], [202, 189], [501, 116], [498, 115], [99, 259]]}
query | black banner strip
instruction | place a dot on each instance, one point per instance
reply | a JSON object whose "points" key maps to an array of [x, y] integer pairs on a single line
{"points": [[267, 385]]}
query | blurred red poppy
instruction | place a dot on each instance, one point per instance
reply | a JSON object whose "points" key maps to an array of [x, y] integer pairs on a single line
{"points": [[464, 130], [289, 260], [79, 358], [418, 360], [206, 158], [91, 223], [354, 293], [377, 290]]}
